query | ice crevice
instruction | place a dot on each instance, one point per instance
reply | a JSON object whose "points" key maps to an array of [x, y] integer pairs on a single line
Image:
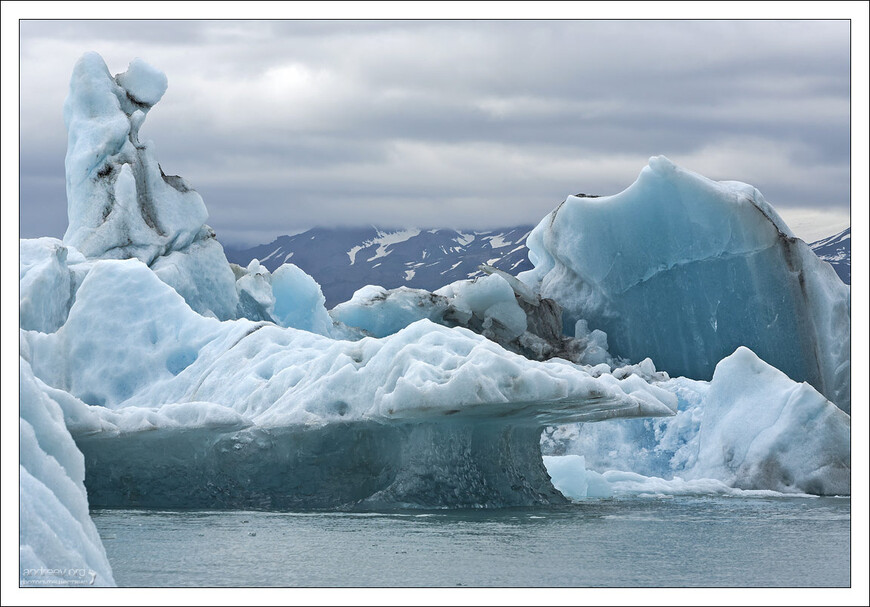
{"points": [[724, 256]]}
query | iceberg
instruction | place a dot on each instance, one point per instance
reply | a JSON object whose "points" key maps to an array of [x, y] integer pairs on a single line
{"points": [[295, 419], [496, 305], [120, 204], [684, 270], [571, 477], [186, 381], [380, 312], [288, 297], [749, 429], [797, 439], [48, 277]]}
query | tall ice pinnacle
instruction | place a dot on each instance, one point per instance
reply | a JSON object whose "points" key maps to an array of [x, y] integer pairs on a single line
{"points": [[120, 203]]}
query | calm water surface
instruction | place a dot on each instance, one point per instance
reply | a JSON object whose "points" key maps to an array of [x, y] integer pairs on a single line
{"points": [[682, 541]]}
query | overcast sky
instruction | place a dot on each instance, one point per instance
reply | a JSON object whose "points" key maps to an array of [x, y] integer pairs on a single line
{"points": [[285, 125]]}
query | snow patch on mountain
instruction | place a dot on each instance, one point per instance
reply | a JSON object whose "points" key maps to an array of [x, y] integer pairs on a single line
{"points": [[837, 251], [347, 259]]}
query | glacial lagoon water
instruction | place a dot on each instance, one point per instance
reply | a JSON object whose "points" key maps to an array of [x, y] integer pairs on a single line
{"points": [[627, 542]]}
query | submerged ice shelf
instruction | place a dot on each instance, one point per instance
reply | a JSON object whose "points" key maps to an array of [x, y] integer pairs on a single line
{"points": [[347, 465]]}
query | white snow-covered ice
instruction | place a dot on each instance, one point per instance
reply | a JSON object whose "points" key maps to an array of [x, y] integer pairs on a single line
{"points": [[153, 349]]}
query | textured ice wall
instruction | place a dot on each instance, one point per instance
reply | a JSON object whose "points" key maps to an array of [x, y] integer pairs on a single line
{"points": [[684, 270], [762, 430], [119, 201], [750, 428], [122, 205], [119, 204], [58, 543], [357, 464]]}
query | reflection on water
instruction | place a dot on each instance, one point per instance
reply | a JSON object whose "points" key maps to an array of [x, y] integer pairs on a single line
{"points": [[684, 541]]}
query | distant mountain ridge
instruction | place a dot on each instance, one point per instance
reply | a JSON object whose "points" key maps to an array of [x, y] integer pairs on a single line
{"points": [[343, 260], [837, 251]]}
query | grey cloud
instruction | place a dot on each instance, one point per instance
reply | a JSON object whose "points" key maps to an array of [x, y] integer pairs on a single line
{"points": [[553, 94], [176, 32]]}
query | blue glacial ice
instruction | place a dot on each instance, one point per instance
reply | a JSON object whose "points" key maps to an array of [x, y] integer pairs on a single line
{"points": [[685, 270], [288, 297]]}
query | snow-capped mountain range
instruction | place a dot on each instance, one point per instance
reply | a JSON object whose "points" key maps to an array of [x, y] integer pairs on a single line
{"points": [[837, 251], [343, 260]]}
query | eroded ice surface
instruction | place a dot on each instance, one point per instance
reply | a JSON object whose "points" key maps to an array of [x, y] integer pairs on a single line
{"points": [[49, 274], [120, 203], [58, 543], [750, 428], [685, 270], [154, 349]]}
